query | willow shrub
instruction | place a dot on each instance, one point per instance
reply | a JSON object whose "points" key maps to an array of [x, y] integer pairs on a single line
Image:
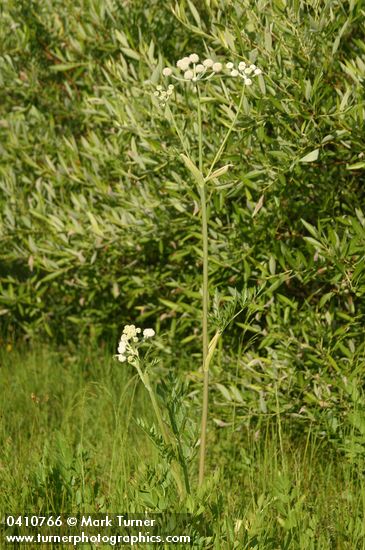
{"points": [[98, 225]]}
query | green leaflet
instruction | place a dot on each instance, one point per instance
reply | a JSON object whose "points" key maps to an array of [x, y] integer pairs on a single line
{"points": [[194, 171]]}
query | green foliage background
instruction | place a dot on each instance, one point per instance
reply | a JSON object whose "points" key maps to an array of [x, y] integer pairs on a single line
{"points": [[99, 224]]}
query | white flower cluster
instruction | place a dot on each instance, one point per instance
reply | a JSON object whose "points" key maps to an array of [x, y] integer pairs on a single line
{"points": [[164, 95], [244, 71], [127, 350], [193, 70]]}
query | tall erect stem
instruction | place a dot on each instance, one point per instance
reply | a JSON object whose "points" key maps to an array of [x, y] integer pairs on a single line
{"points": [[203, 434], [205, 300], [205, 289]]}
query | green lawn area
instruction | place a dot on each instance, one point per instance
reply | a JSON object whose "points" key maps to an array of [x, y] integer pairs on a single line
{"points": [[70, 442]]}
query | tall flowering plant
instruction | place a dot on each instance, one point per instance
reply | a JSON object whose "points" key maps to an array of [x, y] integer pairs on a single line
{"points": [[130, 344], [193, 72]]}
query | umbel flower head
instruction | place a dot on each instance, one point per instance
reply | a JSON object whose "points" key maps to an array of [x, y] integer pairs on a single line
{"points": [[164, 95], [191, 68], [131, 336]]}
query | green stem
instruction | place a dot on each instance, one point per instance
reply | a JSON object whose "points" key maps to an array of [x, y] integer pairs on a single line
{"points": [[278, 419], [205, 304], [158, 414], [205, 337], [200, 133]]}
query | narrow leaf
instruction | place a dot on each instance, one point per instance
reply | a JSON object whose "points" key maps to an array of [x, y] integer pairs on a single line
{"points": [[356, 166], [198, 176], [312, 230], [258, 206], [224, 391], [311, 157], [219, 172], [211, 349], [94, 224], [195, 13], [63, 67], [131, 53]]}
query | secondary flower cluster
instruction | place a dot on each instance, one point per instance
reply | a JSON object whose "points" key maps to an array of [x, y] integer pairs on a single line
{"points": [[164, 95], [244, 71], [127, 350], [194, 70]]}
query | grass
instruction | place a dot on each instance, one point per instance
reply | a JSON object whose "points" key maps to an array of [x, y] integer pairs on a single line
{"points": [[100, 226], [70, 442]]}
